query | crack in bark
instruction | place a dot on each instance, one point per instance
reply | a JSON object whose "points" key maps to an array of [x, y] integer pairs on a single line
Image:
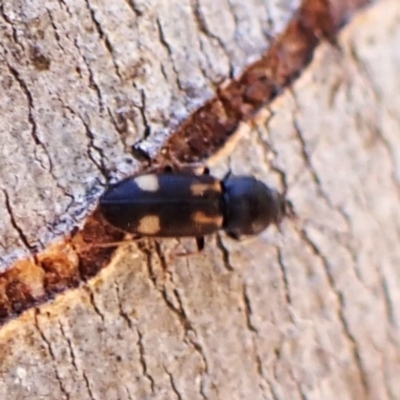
{"points": [[324, 195], [177, 311], [136, 150], [199, 350], [142, 359], [85, 378], [254, 333], [191, 340], [298, 385], [50, 226], [340, 312], [204, 71], [103, 36], [143, 363], [121, 123], [386, 385], [92, 81], [224, 252], [165, 44], [235, 18], [9, 21], [96, 309], [260, 372], [395, 117], [50, 350], [69, 345], [134, 7], [183, 318], [114, 122], [165, 75], [390, 151], [15, 224], [347, 245], [285, 278], [386, 293], [173, 385], [365, 75], [91, 137], [277, 353], [54, 26], [31, 119], [388, 302], [309, 165], [122, 313], [66, 8], [247, 309], [388, 377], [272, 390], [267, 160], [128, 393], [151, 273], [73, 360], [202, 28], [270, 18]]}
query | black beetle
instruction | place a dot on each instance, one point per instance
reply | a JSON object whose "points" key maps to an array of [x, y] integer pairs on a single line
{"points": [[183, 204]]}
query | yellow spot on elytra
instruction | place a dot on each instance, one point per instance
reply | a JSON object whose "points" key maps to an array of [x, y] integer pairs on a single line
{"points": [[149, 225], [201, 218], [198, 188], [147, 183]]}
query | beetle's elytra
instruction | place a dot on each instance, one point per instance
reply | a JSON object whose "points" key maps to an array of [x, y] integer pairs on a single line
{"points": [[180, 204]]}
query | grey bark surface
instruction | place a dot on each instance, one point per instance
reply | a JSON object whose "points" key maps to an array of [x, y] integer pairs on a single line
{"points": [[310, 311]]}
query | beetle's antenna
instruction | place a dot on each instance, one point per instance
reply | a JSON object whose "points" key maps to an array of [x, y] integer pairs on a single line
{"points": [[141, 155]]}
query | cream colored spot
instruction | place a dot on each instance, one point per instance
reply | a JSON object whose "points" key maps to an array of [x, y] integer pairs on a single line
{"points": [[149, 225], [198, 188], [201, 218], [147, 183]]}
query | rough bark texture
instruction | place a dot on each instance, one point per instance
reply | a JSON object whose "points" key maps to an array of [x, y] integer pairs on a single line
{"points": [[308, 312]]}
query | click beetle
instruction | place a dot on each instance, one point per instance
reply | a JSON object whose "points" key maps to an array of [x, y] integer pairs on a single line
{"points": [[183, 204]]}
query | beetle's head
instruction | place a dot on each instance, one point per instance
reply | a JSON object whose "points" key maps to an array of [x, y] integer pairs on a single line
{"points": [[251, 206]]}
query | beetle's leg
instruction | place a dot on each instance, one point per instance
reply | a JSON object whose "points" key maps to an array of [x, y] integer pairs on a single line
{"points": [[200, 243], [140, 155], [170, 168], [159, 168], [200, 247], [114, 244], [172, 164], [234, 235], [227, 175], [197, 168], [106, 245], [193, 169]]}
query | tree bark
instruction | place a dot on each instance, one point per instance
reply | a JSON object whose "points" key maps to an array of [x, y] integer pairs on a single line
{"points": [[306, 311]]}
